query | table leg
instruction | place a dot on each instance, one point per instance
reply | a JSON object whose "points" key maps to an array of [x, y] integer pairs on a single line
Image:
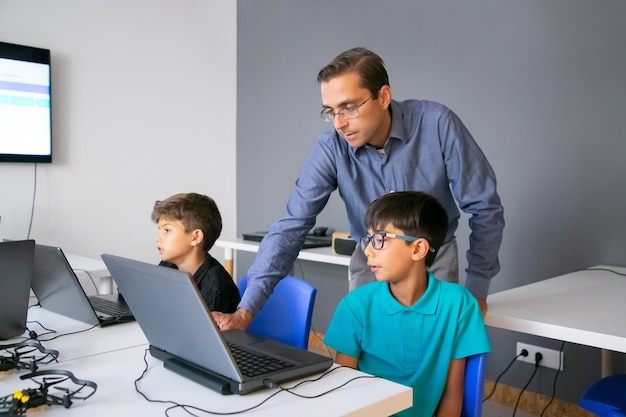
{"points": [[228, 260], [607, 363], [106, 285]]}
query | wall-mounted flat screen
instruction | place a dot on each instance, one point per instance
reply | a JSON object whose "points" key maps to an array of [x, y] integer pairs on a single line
{"points": [[25, 111]]}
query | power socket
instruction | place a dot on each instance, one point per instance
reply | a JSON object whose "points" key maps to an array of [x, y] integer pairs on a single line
{"points": [[550, 358]]}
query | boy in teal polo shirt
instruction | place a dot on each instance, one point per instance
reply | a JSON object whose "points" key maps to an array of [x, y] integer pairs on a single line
{"points": [[408, 326]]}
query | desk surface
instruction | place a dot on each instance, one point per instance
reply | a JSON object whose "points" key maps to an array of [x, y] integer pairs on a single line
{"points": [[112, 357], [324, 255], [116, 371], [585, 307], [75, 339]]}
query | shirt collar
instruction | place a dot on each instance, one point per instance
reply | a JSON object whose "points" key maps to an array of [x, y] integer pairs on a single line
{"points": [[397, 122], [397, 130], [426, 305]]}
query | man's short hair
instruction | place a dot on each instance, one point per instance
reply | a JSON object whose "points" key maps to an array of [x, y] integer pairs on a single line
{"points": [[369, 66]]}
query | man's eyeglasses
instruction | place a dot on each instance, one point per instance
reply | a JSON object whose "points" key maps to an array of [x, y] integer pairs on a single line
{"points": [[378, 240], [348, 112]]}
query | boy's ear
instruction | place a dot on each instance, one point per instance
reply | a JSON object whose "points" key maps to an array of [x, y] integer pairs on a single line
{"points": [[197, 236], [421, 249]]}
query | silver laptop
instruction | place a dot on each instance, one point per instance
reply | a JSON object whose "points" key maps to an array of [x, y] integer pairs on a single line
{"points": [[181, 331], [58, 290], [16, 270]]}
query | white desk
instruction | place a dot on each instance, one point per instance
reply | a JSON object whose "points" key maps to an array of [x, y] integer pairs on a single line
{"points": [[115, 372], [585, 307], [74, 340], [323, 255]]}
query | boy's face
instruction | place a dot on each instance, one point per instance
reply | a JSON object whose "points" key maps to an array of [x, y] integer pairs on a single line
{"points": [[173, 243], [395, 261]]}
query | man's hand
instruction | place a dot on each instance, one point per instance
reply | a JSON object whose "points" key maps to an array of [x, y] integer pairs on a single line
{"points": [[482, 303], [240, 319]]}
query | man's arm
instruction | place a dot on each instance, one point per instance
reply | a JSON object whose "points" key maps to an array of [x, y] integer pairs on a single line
{"points": [[482, 303], [240, 319], [285, 238], [473, 184]]}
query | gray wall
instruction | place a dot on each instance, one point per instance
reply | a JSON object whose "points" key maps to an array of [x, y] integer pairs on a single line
{"points": [[540, 84], [143, 103]]}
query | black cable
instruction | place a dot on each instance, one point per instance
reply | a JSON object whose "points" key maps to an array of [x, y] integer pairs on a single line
{"points": [[554, 381], [65, 334], [330, 390], [90, 277], [188, 407], [41, 325], [603, 269], [32, 208], [145, 370], [271, 384], [524, 353], [537, 361], [268, 383], [33, 335]]}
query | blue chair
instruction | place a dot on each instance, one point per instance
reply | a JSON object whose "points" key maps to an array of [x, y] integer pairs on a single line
{"points": [[286, 316], [607, 397], [474, 385]]}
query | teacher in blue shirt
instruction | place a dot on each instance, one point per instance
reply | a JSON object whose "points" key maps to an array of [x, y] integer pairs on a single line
{"points": [[379, 145]]}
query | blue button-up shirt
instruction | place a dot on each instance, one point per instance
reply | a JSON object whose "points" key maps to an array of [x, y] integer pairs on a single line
{"points": [[429, 150]]}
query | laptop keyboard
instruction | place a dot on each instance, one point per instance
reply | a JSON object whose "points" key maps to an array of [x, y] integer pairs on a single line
{"points": [[252, 364], [110, 307]]}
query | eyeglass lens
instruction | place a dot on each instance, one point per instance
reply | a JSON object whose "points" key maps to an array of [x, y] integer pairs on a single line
{"points": [[377, 240]]}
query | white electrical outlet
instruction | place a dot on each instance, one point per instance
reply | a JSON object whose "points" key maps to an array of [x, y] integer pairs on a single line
{"points": [[550, 358]]}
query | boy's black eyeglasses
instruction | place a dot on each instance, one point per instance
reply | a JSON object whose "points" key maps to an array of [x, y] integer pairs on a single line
{"points": [[348, 112], [378, 240]]}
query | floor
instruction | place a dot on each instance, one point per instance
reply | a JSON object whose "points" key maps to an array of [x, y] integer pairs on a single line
{"points": [[492, 409]]}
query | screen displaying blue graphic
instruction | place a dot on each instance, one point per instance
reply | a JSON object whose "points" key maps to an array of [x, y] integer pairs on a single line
{"points": [[25, 110]]}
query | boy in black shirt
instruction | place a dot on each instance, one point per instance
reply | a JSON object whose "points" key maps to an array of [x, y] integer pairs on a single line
{"points": [[189, 224]]}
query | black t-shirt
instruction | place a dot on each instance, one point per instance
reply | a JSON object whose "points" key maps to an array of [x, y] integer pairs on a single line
{"points": [[215, 284]]}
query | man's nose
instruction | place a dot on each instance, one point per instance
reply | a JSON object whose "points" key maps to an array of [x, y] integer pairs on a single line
{"points": [[339, 122]]}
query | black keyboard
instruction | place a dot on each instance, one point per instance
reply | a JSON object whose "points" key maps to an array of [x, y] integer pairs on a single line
{"points": [[252, 364], [110, 307]]}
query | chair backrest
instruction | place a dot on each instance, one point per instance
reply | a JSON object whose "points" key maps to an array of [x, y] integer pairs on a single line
{"points": [[287, 313], [605, 397], [474, 385]]}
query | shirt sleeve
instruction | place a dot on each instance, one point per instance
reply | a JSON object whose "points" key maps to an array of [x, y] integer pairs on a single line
{"points": [[343, 332], [471, 334], [473, 184], [280, 247]]}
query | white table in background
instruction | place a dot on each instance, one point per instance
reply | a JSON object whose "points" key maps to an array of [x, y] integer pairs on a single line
{"points": [[585, 307], [324, 255]]}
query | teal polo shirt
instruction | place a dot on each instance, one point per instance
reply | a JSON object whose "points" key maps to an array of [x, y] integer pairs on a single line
{"points": [[412, 345]]}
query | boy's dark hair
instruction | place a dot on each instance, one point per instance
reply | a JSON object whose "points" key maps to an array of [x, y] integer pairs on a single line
{"points": [[194, 211], [367, 64], [415, 213]]}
